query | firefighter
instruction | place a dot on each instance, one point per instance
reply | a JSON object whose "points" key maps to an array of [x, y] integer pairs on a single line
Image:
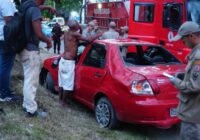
{"points": [[111, 33], [123, 32], [188, 83], [89, 30]]}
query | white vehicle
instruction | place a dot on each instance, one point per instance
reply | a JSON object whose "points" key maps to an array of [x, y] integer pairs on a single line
{"points": [[51, 24], [59, 20]]}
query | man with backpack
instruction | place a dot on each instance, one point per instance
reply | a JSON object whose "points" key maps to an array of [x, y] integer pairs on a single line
{"points": [[30, 56], [7, 10]]}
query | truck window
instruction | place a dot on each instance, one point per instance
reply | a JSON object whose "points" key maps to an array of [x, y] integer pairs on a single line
{"points": [[193, 11], [143, 12], [172, 16]]}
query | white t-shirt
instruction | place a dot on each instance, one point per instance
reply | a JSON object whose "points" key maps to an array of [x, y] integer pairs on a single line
{"points": [[7, 8]]}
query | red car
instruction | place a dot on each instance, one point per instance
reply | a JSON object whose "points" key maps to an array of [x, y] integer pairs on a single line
{"points": [[122, 80]]}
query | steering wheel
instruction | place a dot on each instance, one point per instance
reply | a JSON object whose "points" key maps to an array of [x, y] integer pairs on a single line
{"points": [[151, 51], [148, 59]]}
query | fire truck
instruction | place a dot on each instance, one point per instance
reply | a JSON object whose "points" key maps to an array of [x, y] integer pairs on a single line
{"points": [[155, 21]]}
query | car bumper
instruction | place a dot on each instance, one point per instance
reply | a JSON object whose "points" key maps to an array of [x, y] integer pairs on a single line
{"points": [[151, 111]]}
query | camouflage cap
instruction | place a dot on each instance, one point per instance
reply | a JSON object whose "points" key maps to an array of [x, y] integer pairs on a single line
{"points": [[125, 28], [186, 28], [91, 23], [112, 24]]}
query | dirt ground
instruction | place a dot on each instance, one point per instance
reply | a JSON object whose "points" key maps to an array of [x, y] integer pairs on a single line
{"points": [[74, 122]]}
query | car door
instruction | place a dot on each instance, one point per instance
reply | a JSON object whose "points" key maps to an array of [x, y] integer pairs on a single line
{"points": [[91, 73]]}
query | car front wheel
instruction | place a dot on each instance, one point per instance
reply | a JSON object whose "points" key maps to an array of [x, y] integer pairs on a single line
{"points": [[105, 114]]}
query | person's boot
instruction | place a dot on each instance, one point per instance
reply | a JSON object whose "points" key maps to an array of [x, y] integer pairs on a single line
{"points": [[54, 51]]}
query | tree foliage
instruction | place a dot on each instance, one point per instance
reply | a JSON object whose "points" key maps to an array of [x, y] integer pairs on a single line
{"points": [[63, 7]]}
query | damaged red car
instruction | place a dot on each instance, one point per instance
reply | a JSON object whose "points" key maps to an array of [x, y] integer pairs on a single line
{"points": [[123, 81]]}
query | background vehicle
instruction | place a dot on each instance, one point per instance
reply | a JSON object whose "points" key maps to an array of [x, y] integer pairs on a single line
{"points": [[109, 11], [59, 20], [51, 24], [47, 30], [155, 21], [122, 80]]}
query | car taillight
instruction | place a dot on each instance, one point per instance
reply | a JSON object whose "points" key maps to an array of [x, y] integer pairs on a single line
{"points": [[144, 87]]}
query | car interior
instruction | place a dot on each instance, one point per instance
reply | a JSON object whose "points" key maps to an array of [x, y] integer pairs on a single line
{"points": [[96, 57], [146, 55]]}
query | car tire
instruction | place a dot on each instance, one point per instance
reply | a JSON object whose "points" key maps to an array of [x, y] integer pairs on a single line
{"points": [[105, 114], [50, 83]]}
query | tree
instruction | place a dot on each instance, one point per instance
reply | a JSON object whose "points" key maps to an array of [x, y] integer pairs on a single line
{"points": [[62, 6]]}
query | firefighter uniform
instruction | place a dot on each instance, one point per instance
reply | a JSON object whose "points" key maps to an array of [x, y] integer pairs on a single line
{"points": [[110, 34], [189, 97]]}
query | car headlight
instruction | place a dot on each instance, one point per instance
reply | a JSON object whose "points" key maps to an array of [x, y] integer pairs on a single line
{"points": [[141, 88]]}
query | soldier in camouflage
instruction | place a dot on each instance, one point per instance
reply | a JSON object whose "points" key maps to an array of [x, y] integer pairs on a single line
{"points": [[111, 33], [189, 85]]}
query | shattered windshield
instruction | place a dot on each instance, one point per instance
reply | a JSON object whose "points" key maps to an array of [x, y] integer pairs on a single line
{"points": [[146, 55], [193, 10]]}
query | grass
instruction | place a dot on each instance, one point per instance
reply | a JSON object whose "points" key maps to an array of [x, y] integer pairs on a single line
{"points": [[73, 123]]}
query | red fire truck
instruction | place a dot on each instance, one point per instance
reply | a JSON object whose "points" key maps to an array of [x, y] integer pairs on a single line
{"points": [[109, 11], [156, 21]]}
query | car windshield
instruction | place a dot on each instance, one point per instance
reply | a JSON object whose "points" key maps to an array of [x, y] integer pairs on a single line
{"points": [[146, 55]]}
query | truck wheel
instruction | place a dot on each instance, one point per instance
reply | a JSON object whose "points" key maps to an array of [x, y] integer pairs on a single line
{"points": [[105, 114], [50, 83]]}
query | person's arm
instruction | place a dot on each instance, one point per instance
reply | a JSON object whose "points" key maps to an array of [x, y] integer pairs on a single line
{"points": [[7, 10], [38, 31], [88, 39], [190, 84], [45, 7]]}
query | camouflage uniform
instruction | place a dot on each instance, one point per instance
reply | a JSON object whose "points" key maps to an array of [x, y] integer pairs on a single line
{"points": [[110, 34], [189, 98]]}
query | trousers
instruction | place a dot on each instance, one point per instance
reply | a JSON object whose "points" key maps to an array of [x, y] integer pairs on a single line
{"points": [[6, 64], [190, 131], [31, 66], [56, 45]]}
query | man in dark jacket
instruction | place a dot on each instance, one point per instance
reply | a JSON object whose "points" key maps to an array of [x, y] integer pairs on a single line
{"points": [[57, 33]]}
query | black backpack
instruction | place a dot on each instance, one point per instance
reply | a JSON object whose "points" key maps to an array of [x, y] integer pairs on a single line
{"points": [[14, 31]]}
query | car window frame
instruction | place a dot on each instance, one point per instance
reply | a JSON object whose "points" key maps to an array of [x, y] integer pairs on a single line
{"points": [[89, 51], [140, 52]]}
